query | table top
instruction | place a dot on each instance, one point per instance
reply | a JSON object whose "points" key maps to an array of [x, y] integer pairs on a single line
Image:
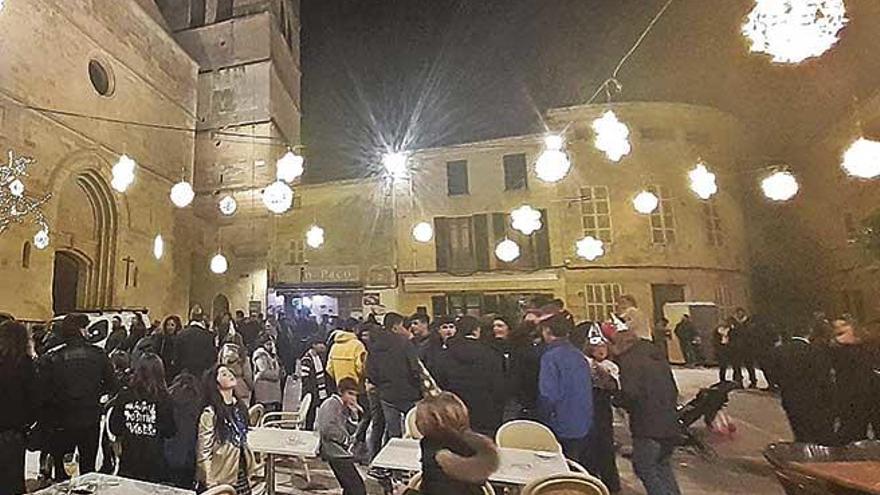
{"points": [[859, 475], [516, 466], [105, 484], [280, 441]]}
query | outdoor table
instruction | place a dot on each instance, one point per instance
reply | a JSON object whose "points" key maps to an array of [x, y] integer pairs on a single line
{"points": [[105, 484], [863, 476], [516, 466], [281, 442]]}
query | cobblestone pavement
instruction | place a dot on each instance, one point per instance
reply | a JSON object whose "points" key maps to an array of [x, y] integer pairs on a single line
{"points": [[738, 467]]}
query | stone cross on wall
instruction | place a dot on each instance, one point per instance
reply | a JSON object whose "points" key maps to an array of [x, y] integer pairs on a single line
{"points": [[131, 272]]}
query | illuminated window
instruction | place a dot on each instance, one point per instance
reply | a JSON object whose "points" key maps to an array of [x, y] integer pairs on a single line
{"points": [[600, 300], [662, 220], [713, 223], [596, 212]]}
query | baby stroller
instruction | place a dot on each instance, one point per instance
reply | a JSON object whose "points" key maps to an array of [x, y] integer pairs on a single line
{"points": [[708, 402]]}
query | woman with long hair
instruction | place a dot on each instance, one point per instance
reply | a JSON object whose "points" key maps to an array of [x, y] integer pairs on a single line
{"points": [[455, 459], [268, 375], [223, 456], [180, 450], [18, 389], [142, 419]]}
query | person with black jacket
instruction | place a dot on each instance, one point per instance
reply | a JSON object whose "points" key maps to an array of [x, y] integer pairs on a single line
{"points": [[17, 387], [474, 372], [180, 450], [855, 360], [195, 345], [649, 393], [142, 419], [807, 388], [71, 379], [118, 338], [392, 366]]}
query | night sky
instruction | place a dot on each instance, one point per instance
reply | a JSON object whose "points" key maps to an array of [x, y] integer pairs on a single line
{"points": [[409, 74]]}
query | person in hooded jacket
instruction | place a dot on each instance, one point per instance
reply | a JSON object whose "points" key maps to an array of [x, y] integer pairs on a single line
{"points": [[347, 357], [649, 393], [268, 375], [474, 372]]}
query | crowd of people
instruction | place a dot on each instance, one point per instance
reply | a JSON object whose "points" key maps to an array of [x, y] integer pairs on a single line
{"points": [[169, 404]]}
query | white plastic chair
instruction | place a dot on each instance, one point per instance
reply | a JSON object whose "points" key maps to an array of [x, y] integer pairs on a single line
{"points": [[411, 430], [566, 484], [220, 490], [527, 435], [294, 420], [415, 483]]}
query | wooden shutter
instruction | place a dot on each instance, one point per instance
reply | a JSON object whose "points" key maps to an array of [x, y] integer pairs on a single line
{"points": [[542, 242], [441, 243], [438, 304], [481, 241]]}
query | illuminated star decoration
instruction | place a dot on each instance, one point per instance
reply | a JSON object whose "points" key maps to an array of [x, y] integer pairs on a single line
{"points": [[780, 186], [553, 164], [862, 159], [16, 205], [590, 248], [791, 31], [315, 237], [507, 251], [612, 136], [702, 181], [526, 219], [646, 202], [289, 167], [123, 173]]}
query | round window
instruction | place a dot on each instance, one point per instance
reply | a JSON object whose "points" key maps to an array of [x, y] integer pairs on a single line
{"points": [[101, 77]]}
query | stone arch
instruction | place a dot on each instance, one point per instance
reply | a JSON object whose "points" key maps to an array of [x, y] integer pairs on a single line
{"points": [[106, 216], [72, 271]]}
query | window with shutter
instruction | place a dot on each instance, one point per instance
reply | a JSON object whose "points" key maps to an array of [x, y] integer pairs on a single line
{"points": [[457, 177], [662, 220], [481, 241], [441, 243], [515, 172]]}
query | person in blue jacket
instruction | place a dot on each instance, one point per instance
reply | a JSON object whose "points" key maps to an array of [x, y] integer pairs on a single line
{"points": [[565, 389]]}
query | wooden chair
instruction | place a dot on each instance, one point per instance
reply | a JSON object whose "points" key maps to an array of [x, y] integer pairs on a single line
{"points": [[411, 430], [220, 490], [255, 414], [415, 483], [566, 484], [527, 435]]}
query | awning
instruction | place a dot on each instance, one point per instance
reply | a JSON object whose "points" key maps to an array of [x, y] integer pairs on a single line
{"points": [[482, 282]]}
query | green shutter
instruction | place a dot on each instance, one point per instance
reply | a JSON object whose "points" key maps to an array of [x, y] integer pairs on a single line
{"points": [[441, 243], [481, 241]]}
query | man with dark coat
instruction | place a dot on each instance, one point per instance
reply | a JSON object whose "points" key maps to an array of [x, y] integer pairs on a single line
{"points": [[72, 377], [473, 371], [195, 345], [807, 387], [118, 338], [742, 348], [649, 393], [687, 333]]}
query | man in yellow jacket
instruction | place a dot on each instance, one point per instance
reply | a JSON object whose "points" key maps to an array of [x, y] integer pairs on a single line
{"points": [[347, 356]]}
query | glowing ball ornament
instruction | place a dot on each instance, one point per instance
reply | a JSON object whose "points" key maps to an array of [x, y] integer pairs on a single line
{"points": [[315, 237], [278, 197], [702, 181], [507, 251], [862, 159], [646, 202], [16, 188], [612, 136], [791, 31], [227, 205], [158, 247], [123, 173], [553, 164], [780, 186], [41, 239], [423, 232], [526, 219], [289, 167], [182, 194], [219, 265], [395, 164], [590, 248]]}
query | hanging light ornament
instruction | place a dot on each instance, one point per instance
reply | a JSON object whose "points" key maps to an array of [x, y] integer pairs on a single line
{"points": [[219, 265], [158, 247], [862, 159], [791, 31], [315, 237], [780, 186], [553, 164], [646, 202], [278, 197], [123, 173], [41, 239], [395, 164], [702, 181], [507, 251], [590, 248], [182, 194], [526, 219], [289, 167], [227, 205], [612, 136], [423, 232]]}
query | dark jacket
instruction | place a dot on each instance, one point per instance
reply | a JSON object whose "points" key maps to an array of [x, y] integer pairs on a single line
{"points": [[18, 388], [336, 425], [392, 366], [142, 424], [457, 465], [195, 350], [647, 390], [118, 339], [71, 379], [565, 391], [180, 449], [807, 388], [431, 352], [473, 371]]}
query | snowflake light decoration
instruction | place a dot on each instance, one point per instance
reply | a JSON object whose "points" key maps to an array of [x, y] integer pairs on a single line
{"points": [[780, 186], [791, 31], [526, 219], [590, 248], [16, 206], [702, 181], [862, 159], [612, 136], [553, 164], [315, 237], [646, 202], [289, 167], [507, 251], [278, 197]]}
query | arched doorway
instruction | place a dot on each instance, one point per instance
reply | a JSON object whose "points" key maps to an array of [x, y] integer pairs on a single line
{"points": [[66, 283], [219, 306]]}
